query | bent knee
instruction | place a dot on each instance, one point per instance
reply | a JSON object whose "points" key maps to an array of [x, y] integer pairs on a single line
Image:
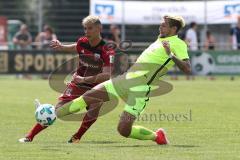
{"points": [[124, 131], [58, 113], [58, 107]]}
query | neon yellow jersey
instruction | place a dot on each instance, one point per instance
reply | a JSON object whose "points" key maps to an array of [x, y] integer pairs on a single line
{"points": [[135, 85], [155, 56]]}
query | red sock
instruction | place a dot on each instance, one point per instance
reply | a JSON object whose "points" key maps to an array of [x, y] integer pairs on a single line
{"points": [[87, 122], [35, 130]]}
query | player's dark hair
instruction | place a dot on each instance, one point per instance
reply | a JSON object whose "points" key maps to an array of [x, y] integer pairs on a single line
{"points": [[175, 23]]}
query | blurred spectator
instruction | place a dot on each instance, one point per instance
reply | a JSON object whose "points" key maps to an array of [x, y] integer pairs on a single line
{"points": [[209, 41], [192, 42], [22, 39], [113, 34], [209, 44], [191, 37], [44, 38], [235, 36]]}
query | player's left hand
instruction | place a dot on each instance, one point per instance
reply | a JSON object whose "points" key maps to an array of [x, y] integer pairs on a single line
{"points": [[77, 79], [166, 46]]}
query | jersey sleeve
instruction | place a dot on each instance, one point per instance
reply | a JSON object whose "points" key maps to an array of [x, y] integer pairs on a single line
{"points": [[79, 42], [180, 50]]}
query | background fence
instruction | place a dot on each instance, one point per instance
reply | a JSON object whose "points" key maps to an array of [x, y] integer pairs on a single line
{"points": [[65, 17]]}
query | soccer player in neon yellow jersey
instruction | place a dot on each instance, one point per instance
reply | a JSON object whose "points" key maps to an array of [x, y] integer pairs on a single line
{"points": [[156, 60]]}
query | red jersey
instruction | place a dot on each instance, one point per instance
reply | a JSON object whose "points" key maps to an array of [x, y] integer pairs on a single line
{"points": [[92, 59], [91, 62]]}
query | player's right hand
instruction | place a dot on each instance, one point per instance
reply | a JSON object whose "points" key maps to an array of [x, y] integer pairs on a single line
{"points": [[166, 46], [56, 45]]}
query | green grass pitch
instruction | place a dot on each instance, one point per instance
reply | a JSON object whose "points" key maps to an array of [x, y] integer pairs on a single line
{"points": [[208, 129]]}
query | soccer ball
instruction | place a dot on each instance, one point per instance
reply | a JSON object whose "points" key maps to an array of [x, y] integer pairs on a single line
{"points": [[45, 114], [203, 64]]}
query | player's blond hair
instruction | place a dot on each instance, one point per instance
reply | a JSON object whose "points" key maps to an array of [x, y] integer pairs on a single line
{"points": [[91, 20]]}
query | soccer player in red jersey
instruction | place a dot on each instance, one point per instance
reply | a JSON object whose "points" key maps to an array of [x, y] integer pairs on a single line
{"points": [[87, 75]]}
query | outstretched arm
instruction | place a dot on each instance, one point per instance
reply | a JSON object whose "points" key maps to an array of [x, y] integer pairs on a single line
{"points": [[184, 65], [57, 45]]}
